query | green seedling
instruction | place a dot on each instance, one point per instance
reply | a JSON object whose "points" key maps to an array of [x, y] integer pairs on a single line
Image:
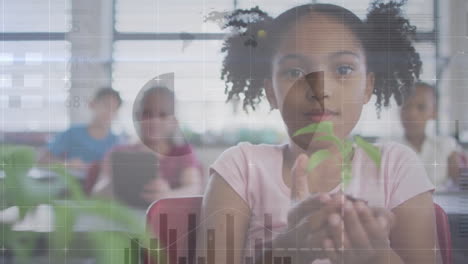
{"points": [[345, 147]]}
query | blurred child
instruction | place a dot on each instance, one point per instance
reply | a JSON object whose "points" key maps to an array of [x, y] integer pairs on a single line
{"points": [[180, 171], [81, 145], [441, 155], [319, 62]]}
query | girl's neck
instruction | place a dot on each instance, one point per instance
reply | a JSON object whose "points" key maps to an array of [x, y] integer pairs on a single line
{"points": [[416, 140]]}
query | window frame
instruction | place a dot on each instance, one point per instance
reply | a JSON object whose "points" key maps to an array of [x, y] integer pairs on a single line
{"points": [[430, 37], [30, 36]]}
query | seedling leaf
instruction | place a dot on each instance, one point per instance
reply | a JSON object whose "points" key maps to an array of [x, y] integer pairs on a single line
{"points": [[372, 151], [316, 158]]}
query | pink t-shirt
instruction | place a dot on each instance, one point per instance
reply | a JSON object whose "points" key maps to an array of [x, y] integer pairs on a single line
{"points": [[255, 173]]}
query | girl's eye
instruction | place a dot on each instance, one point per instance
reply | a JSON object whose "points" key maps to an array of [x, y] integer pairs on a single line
{"points": [[344, 70], [294, 73], [146, 115]]}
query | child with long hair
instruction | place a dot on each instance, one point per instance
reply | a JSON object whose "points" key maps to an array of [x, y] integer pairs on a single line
{"points": [[179, 169], [316, 63]]}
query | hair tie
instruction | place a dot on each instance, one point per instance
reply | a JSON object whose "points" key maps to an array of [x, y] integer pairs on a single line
{"points": [[261, 33]]}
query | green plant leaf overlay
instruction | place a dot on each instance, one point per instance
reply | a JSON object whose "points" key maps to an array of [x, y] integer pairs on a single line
{"points": [[346, 150], [333, 139], [321, 127], [73, 186], [65, 218], [316, 158], [16, 162], [111, 247], [15, 189], [23, 244], [372, 151], [346, 176]]}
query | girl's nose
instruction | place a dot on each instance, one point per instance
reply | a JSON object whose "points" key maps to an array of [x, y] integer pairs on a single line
{"points": [[316, 86]]}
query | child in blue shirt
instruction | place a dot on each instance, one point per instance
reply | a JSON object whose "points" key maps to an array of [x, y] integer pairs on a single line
{"points": [[81, 145]]}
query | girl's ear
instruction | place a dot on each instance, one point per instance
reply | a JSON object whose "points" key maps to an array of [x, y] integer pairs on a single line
{"points": [[370, 81], [270, 94]]}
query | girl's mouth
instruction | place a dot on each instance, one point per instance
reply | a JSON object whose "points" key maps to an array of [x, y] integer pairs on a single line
{"points": [[318, 116]]}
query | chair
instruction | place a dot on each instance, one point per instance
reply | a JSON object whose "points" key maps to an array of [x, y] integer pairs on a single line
{"points": [[174, 222], [443, 234]]}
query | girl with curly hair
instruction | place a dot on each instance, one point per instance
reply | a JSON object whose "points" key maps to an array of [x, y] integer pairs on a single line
{"points": [[314, 63]]}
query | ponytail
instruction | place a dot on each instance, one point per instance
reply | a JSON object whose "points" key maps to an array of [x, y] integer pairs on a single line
{"points": [[390, 52], [246, 63]]}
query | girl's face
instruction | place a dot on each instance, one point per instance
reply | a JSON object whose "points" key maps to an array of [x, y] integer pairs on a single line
{"points": [[319, 74], [157, 121], [417, 110]]}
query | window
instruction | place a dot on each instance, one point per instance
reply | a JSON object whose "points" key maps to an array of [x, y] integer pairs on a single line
{"points": [[420, 12], [168, 16], [33, 63], [198, 87], [148, 44], [196, 63], [273, 8], [35, 16], [196, 66]]}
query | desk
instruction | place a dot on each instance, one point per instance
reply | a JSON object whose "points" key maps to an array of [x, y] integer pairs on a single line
{"points": [[456, 207]]}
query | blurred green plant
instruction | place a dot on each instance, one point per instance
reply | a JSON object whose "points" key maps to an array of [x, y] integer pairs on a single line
{"points": [[16, 191], [345, 147]]}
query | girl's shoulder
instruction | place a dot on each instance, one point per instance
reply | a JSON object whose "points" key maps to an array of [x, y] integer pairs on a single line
{"points": [[397, 161], [400, 177], [244, 155], [395, 150], [391, 153], [248, 151], [250, 169], [395, 155]]}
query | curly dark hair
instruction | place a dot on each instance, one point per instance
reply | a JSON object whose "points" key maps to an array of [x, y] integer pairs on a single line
{"points": [[386, 36]]}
